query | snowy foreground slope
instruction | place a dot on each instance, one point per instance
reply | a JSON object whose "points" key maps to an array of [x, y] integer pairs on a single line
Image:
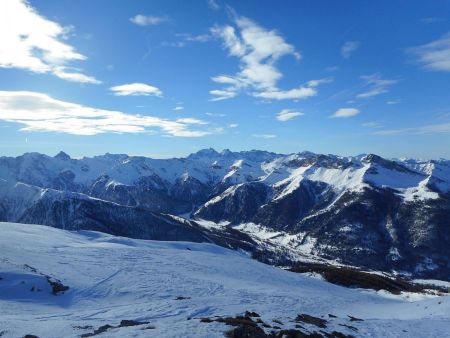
{"points": [[112, 279]]}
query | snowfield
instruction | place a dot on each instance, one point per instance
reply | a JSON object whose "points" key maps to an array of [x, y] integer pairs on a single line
{"points": [[112, 279]]}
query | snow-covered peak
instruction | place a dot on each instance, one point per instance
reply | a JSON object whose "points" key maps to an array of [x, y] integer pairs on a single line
{"points": [[62, 156], [204, 154], [210, 167]]}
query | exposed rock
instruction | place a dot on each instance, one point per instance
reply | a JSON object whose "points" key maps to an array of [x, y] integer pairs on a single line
{"points": [[128, 322], [308, 319], [123, 323], [182, 298], [356, 278], [57, 286], [354, 319], [246, 331]]}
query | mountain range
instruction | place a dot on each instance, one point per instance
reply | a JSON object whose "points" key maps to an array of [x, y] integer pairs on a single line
{"points": [[365, 211]]}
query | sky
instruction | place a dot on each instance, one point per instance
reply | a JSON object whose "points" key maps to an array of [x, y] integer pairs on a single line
{"points": [[167, 78]]}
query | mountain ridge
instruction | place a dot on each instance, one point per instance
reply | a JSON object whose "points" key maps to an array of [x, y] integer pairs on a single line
{"points": [[362, 210]]}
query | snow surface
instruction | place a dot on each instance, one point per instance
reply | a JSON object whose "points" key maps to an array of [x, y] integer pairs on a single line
{"points": [[113, 278]]}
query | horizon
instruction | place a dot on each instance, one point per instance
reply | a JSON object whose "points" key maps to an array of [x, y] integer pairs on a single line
{"points": [[221, 151], [164, 79]]}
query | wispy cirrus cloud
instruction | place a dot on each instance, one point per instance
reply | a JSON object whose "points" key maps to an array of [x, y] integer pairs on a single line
{"points": [[40, 112], [265, 136], [191, 120], [31, 42], [371, 124], [345, 113], [433, 19], [216, 114], [318, 82], [213, 4], [331, 69], [148, 20], [258, 51], [392, 102], [376, 85], [349, 47], [136, 89], [223, 94], [288, 114], [441, 128], [434, 55], [185, 38]]}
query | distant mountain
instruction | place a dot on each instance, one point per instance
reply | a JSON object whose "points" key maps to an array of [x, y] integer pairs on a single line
{"points": [[367, 211]]}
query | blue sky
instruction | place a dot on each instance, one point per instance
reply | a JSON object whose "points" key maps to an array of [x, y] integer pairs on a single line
{"points": [[167, 78]]}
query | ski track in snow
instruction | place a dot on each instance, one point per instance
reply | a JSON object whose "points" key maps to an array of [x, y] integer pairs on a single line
{"points": [[113, 278]]}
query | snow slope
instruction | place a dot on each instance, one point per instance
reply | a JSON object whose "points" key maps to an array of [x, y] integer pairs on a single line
{"points": [[113, 278]]}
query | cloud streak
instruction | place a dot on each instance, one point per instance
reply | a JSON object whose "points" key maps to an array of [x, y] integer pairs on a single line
{"points": [[442, 128], [31, 42], [40, 112], [434, 55], [213, 4], [287, 114], [265, 136], [349, 48], [376, 85], [371, 125], [148, 20]]}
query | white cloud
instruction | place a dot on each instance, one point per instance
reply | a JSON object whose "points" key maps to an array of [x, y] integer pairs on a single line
{"points": [[348, 48], [225, 79], [371, 125], [191, 120], [294, 94], [376, 85], [233, 125], [136, 89], [31, 42], [258, 50], [433, 19], [40, 112], [177, 108], [332, 69], [148, 20], [345, 112], [443, 128], [391, 102], [216, 114], [287, 114], [186, 38], [266, 136], [318, 82], [65, 74], [222, 94], [176, 44], [213, 4], [434, 55], [197, 38]]}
